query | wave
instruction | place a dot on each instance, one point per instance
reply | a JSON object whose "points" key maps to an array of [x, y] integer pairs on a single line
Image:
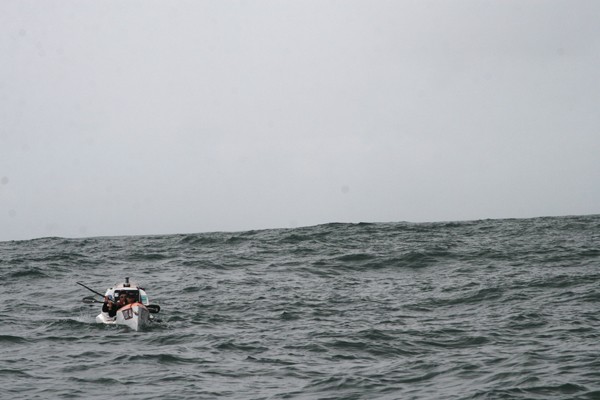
{"points": [[26, 273], [7, 340]]}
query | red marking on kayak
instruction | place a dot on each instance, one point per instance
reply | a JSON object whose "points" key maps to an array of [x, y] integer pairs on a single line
{"points": [[128, 306]]}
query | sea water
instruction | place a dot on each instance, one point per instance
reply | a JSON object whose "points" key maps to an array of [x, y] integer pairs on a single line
{"points": [[491, 309]]}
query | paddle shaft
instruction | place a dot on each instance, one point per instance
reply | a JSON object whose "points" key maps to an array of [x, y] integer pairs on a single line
{"points": [[91, 290]]}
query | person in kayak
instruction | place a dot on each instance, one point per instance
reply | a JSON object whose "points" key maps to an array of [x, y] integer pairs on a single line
{"points": [[131, 298], [111, 306]]}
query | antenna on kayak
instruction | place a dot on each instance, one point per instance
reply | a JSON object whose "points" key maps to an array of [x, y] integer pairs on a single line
{"points": [[126, 284]]}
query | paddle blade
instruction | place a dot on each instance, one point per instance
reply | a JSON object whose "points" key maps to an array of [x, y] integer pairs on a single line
{"points": [[153, 308], [90, 300]]}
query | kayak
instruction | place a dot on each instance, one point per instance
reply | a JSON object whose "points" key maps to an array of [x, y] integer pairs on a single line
{"points": [[135, 315]]}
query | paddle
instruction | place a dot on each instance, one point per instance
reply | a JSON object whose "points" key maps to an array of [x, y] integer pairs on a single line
{"points": [[152, 308]]}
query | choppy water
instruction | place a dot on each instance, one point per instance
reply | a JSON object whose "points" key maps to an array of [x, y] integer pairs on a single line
{"points": [[495, 309]]}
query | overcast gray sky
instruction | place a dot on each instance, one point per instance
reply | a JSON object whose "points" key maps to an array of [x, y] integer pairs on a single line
{"points": [[151, 117]]}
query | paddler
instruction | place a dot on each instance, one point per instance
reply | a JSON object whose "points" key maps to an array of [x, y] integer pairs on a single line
{"points": [[111, 306], [131, 298]]}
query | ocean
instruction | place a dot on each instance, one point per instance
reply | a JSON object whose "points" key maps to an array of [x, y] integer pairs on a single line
{"points": [[488, 309]]}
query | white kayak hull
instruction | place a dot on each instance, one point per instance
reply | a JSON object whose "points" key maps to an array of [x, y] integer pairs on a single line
{"points": [[134, 316]]}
